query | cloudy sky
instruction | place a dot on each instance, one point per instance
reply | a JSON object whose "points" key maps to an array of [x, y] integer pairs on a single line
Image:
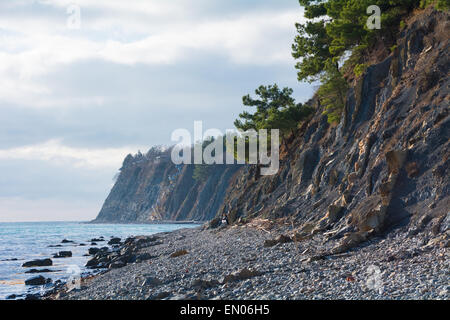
{"points": [[78, 95]]}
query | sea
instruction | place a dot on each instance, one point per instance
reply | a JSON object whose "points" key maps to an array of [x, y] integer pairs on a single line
{"points": [[25, 241]]}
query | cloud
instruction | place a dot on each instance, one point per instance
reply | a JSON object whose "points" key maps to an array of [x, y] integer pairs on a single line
{"points": [[33, 46], [55, 152], [75, 102]]}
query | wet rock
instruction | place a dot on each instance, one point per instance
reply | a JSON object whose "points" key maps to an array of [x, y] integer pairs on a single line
{"points": [[38, 263], [97, 240], [37, 281], [67, 241], [40, 271], [63, 254], [114, 241], [93, 251]]}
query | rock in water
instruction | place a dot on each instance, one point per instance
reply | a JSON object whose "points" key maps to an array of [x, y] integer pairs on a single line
{"points": [[38, 263], [114, 241], [63, 254], [37, 281]]}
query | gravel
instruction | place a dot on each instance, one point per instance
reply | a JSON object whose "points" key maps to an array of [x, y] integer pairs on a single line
{"points": [[396, 267]]}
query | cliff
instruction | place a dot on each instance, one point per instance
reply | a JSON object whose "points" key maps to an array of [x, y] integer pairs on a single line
{"points": [[384, 166], [151, 188]]}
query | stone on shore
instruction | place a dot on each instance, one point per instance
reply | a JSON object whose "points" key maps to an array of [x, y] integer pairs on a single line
{"points": [[37, 281]]}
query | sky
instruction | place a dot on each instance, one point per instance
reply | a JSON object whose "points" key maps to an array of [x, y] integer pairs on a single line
{"points": [[83, 83]]}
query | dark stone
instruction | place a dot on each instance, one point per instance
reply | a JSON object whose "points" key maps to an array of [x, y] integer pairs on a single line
{"points": [[93, 251], [114, 241], [160, 295], [11, 297], [37, 281], [97, 240], [144, 257], [41, 271], [63, 254], [204, 284], [117, 264], [38, 263], [152, 282], [67, 241]]}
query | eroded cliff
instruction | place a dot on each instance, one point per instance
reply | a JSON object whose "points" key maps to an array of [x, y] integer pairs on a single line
{"points": [[385, 165]]}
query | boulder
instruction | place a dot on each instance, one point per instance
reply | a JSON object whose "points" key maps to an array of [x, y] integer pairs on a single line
{"points": [[93, 251], [40, 271], [38, 263], [241, 275], [204, 284], [178, 253], [114, 241], [37, 281], [151, 282], [63, 254], [144, 257]]}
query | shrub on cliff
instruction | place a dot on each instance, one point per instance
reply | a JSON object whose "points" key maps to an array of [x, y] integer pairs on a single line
{"points": [[275, 109], [336, 28]]}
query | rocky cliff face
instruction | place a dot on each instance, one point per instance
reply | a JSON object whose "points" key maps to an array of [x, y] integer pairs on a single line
{"points": [[152, 188], [385, 165]]}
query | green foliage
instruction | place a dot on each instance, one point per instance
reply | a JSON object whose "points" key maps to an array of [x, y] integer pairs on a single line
{"points": [[275, 109], [439, 4], [335, 28], [340, 26], [360, 69], [332, 93]]}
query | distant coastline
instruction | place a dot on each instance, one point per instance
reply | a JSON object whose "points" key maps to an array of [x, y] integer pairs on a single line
{"points": [[149, 222]]}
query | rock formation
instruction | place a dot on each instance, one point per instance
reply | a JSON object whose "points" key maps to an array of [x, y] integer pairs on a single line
{"points": [[385, 165]]}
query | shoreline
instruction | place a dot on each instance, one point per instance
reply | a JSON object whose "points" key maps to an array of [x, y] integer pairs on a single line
{"points": [[58, 253], [149, 222], [261, 261]]}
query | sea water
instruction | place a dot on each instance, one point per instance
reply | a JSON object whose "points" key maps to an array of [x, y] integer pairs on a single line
{"points": [[21, 242]]}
